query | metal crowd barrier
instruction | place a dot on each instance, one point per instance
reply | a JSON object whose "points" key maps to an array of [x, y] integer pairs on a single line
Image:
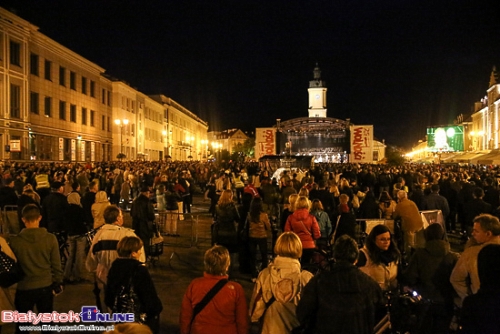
{"points": [[178, 229], [10, 220]]}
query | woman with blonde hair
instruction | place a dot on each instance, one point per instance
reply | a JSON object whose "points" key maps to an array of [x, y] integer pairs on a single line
{"points": [[278, 289], [226, 220], [305, 226], [292, 199], [226, 311], [304, 192]]}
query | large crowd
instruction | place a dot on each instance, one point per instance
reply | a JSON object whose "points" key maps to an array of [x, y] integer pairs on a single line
{"points": [[315, 218]]}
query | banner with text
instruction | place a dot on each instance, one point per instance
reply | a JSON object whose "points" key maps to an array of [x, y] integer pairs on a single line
{"points": [[265, 142], [362, 144]]}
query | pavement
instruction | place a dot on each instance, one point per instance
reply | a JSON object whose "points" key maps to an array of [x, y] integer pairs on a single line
{"points": [[180, 263]]}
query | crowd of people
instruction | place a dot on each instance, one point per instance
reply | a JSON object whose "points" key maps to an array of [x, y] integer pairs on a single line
{"points": [[302, 213]]}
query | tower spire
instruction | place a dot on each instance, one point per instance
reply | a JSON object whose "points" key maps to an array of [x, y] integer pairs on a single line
{"points": [[493, 76]]}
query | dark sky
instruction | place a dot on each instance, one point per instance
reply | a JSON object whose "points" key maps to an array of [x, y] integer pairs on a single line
{"points": [[397, 64]]}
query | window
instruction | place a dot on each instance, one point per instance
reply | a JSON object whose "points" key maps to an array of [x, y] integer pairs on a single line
{"points": [[92, 88], [109, 98], [72, 80], [84, 116], [62, 110], [72, 113], [34, 103], [15, 53], [103, 97], [84, 85], [48, 68], [34, 64], [15, 101], [62, 76], [92, 116], [48, 106], [103, 126]]}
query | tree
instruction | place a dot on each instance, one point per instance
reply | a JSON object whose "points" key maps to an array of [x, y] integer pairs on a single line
{"points": [[394, 156], [247, 149], [121, 156]]}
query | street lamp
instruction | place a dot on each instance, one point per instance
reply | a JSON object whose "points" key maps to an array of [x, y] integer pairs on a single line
{"points": [[204, 143], [121, 123]]}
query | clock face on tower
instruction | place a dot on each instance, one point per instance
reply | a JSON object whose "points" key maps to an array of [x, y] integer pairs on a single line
{"points": [[317, 96]]}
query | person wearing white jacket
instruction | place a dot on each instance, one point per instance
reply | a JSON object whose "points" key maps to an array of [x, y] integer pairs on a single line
{"points": [[103, 251]]}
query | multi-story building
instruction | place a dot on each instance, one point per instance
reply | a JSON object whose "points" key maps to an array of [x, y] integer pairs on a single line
{"points": [[55, 105], [226, 140], [184, 133]]}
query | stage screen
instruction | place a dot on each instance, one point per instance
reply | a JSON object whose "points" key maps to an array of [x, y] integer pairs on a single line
{"points": [[445, 139]]}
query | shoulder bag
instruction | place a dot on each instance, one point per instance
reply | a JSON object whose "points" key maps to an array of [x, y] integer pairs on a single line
{"points": [[10, 271], [208, 297]]}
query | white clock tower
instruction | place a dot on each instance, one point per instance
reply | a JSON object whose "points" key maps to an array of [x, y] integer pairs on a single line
{"points": [[317, 95]]}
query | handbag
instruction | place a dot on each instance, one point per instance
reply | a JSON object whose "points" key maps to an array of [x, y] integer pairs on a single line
{"points": [[127, 301], [10, 271]]}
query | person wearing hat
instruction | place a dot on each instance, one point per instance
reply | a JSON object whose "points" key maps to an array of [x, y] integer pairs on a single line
{"points": [[54, 209], [143, 216]]}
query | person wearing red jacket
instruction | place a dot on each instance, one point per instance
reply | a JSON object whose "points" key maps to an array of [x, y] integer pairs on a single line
{"points": [[305, 226], [226, 312]]}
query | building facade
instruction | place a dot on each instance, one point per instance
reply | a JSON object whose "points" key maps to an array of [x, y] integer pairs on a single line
{"points": [[55, 105]]}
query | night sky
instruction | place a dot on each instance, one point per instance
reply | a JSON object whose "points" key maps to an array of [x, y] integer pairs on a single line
{"points": [[400, 65]]}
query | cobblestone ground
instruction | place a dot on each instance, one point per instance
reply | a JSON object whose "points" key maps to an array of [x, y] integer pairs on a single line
{"points": [[181, 262]]}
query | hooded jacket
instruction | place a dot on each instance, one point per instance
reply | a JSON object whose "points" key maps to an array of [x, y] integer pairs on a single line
{"points": [[279, 286], [305, 225], [37, 252], [101, 203]]}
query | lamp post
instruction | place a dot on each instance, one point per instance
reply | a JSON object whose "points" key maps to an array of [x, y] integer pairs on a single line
{"points": [[121, 123], [204, 143]]}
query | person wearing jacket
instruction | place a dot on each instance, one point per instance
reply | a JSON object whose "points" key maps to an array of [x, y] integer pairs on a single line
{"points": [[305, 226], [325, 225], [101, 203], [278, 289], [127, 268], [343, 299], [103, 252], [54, 209], [259, 229], [428, 273], [76, 229], [226, 312], [143, 216], [37, 252]]}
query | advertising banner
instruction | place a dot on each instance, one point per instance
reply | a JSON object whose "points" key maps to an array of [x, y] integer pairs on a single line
{"points": [[265, 142], [362, 144]]}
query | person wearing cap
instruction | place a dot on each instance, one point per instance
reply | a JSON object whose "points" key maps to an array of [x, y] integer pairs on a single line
{"points": [[143, 216], [54, 208]]}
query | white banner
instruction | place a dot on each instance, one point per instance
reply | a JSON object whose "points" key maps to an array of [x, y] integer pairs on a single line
{"points": [[265, 142], [362, 143]]}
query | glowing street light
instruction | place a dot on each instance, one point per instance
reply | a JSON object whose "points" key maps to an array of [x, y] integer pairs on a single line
{"points": [[121, 123]]}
